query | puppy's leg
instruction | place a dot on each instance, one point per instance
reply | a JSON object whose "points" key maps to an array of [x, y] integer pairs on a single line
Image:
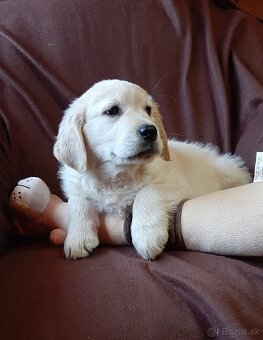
{"points": [[150, 222], [82, 235]]}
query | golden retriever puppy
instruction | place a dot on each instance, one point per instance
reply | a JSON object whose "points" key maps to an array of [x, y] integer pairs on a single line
{"points": [[114, 156]]}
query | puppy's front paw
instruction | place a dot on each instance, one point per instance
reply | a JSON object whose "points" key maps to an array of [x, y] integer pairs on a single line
{"points": [[149, 242], [77, 245]]}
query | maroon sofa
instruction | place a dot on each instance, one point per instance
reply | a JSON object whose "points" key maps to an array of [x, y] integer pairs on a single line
{"points": [[202, 61]]}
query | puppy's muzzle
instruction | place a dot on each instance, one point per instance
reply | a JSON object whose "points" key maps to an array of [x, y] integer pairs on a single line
{"points": [[148, 133]]}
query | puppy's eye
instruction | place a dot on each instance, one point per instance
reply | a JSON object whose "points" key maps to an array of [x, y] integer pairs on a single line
{"points": [[112, 111], [148, 109]]}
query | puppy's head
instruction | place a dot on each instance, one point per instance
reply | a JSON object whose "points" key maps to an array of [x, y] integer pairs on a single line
{"points": [[115, 120]]}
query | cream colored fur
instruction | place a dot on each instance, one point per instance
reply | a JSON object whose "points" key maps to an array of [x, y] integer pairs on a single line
{"points": [[107, 168]]}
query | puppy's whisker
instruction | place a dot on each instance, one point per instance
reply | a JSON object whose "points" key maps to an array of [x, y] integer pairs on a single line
{"points": [[153, 90], [165, 95]]}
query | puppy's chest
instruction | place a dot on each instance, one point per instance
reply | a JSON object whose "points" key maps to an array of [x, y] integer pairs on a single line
{"points": [[114, 198]]}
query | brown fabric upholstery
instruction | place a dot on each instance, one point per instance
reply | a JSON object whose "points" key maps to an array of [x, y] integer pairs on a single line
{"points": [[116, 295], [203, 65]]}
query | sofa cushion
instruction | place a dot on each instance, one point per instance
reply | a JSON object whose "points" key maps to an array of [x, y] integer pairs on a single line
{"points": [[114, 294]]}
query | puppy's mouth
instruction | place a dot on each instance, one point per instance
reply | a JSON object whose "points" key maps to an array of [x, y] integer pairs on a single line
{"points": [[139, 155], [146, 154]]}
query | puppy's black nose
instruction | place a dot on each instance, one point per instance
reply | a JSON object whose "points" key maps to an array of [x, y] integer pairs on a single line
{"points": [[148, 132]]}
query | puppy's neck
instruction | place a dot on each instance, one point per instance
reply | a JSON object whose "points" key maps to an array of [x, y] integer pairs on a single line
{"points": [[113, 172], [110, 174]]}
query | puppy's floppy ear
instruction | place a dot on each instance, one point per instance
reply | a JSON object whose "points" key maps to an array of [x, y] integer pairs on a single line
{"points": [[70, 145], [159, 123]]}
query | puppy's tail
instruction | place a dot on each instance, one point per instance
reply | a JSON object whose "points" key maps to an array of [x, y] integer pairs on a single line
{"points": [[234, 171]]}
